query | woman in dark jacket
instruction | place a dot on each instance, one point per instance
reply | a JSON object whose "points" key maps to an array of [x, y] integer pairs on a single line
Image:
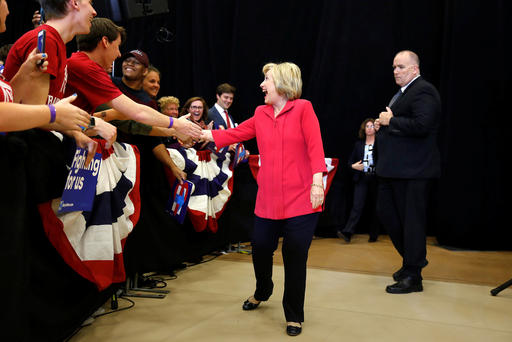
{"points": [[365, 182]]}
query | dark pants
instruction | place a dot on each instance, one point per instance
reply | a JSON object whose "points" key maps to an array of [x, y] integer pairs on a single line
{"points": [[297, 234], [365, 194], [402, 209]]}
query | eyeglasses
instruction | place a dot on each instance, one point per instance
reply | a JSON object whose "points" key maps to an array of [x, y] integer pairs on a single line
{"points": [[196, 107]]}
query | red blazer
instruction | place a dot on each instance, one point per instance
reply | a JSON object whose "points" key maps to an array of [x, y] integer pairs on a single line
{"points": [[291, 151]]}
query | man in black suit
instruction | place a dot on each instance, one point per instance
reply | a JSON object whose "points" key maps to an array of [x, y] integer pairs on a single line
{"points": [[407, 162]]}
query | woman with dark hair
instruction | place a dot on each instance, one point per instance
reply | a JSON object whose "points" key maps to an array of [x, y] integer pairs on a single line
{"points": [[365, 182], [207, 168], [198, 110]]}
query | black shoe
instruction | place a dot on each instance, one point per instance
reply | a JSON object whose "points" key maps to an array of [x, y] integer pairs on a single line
{"points": [[405, 285], [293, 330], [372, 239], [344, 236], [249, 305], [399, 274]]}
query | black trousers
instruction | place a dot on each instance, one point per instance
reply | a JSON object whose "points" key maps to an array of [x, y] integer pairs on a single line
{"points": [[402, 209], [365, 194], [297, 234]]}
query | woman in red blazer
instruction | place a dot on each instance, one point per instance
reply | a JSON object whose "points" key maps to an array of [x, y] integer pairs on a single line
{"points": [[290, 186]]}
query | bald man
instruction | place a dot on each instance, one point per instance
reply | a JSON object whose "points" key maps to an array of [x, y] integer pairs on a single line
{"points": [[407, 162]]}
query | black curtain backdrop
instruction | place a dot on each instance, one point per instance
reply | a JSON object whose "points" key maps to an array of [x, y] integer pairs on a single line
{"points": [[345, 50]]}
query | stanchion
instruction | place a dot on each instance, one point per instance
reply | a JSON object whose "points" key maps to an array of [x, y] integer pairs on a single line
{"points": [[240, 250], [502, 287]]}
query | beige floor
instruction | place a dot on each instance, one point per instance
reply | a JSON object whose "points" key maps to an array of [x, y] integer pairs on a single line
{"points": [[205, 305], [380, 258]]}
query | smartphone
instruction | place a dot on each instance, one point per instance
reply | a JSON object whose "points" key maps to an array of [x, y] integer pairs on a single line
{"points": [[41, 43], [41, 20]]}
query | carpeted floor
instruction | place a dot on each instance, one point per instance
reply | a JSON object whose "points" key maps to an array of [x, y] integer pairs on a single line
{"points": [[380, 258]]}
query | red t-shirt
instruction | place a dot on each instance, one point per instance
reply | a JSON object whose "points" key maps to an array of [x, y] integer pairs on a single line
{"points": [[56, 52], [90, 82], [5, 91]]}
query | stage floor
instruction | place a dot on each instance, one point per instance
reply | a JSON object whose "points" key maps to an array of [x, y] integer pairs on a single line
{"points": [[345, 300], [380, 258]]}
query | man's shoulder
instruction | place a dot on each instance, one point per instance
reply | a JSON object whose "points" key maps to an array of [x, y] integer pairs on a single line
{"points": [[81, 66], [23, 45], [422, 87], [421, 83], [29, 39], [24, 39], [213, 110], [19, 52], [139, 96], [79, 58]]}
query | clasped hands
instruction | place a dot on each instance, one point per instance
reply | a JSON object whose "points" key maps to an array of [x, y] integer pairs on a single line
{"points": [[189, 141], [384, 118]]}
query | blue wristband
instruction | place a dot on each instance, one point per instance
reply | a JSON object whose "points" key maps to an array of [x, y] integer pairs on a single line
{"points": [[171, 122], [53, 113]]}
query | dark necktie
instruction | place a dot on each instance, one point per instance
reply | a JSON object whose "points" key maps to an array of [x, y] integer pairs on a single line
{"points": [[396, 97], [227, 119]]}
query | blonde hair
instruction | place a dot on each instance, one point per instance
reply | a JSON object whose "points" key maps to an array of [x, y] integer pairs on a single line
{"points": [[287, 79], [164, 101]]}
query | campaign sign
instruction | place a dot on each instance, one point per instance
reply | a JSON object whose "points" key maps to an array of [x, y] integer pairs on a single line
{"points": [[78, 194], [239, 154], [212, 147], [178, 202]]}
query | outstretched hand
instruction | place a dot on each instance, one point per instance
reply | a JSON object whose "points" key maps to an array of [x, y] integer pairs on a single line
{"points": [[186, 127], [105, 130], [206, 135], [69, 116]]}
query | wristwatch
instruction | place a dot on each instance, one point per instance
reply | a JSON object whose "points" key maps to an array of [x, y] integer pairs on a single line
{"points": [[92, 123]]}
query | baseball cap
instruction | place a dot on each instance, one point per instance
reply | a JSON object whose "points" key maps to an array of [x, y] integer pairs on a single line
{"points": [[138, 55]]}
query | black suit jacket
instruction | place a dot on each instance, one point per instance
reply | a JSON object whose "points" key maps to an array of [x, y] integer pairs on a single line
{"points": [[407, 148], [216, 117]]}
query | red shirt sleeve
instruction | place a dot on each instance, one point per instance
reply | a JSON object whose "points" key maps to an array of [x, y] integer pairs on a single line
{"points": [[91, 82], [51, 50], [55, 49]]}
